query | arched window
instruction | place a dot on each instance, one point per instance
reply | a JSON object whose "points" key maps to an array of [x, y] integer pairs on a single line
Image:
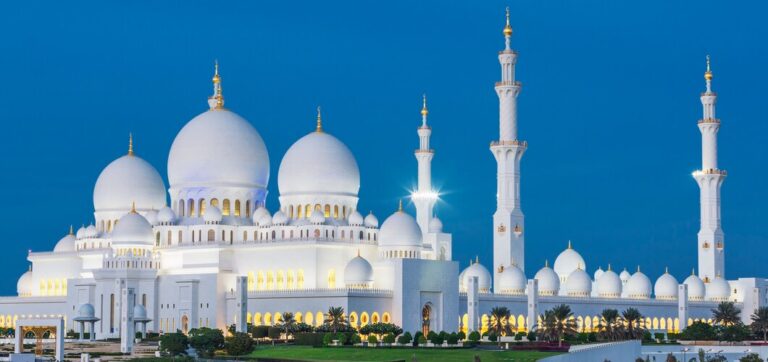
{"points": [[290, 211], [361, 235], [260, 280], [248, 208], [300, 279], [335, 211], [307, 210], [109, 225], [225, 208], [170, 236], [180, 211], [231, 236], [299, 212], [179, 237], [274, 235], [255, 235], [157, 238], [332, 278], [327, 211], [318, 207], [211, 235], [223, 235], [191, 207], [317, 233], [237, 208], [270, 280], [245, 236], [201, 207], [344, 212], [215, 202]]}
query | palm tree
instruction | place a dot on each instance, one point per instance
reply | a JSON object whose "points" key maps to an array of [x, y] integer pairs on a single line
{"points": [[633, 321], [289, 321], [500, 321], [726, 314], [760, 322], [547, 326], [335, 318], [609, 327], [564, 324]]}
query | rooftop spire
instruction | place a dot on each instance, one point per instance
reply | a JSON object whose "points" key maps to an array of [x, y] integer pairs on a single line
{"points": [[71, 230], [507, 31], [569, 245], [216, 101], [666, 270], [708, 75], [546, 263], [424, 110], [609, 266], [400, 206], [130, 144], [319, 128], [477, 259], [133, 207]]}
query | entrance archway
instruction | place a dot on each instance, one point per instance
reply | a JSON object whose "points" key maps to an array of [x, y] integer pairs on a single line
{"points": [[426, 319], [185, 324]]}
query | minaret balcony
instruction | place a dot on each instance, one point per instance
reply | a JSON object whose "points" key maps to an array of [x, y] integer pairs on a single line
{"points": [[509, 83], [709, 120], [523, 144], [710, 171], [425, 151]]}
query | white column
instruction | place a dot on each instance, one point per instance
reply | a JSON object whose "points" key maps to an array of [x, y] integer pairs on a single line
{"points": [[533, 304], [682, 305], [473, 305], [424, 198], [17, 348], [241, 304], [60, 339], [127, 324]]}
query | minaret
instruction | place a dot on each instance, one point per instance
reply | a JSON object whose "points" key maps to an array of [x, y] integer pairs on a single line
{"points": [[216, 101], [710, 178], [424, 198], [508, 237]]}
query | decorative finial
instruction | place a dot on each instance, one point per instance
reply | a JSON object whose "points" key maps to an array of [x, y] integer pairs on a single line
{"points": [[358, 253], [133, 207], [693, 271], [319, 128], [666, 270], [609, 267], [130, 144], [638, 268], [507, 28], [216, 101], [546, 263], [708, 73], [30, 266], [71, 230], [424, 110], [400, 206], [477, 259], [569, 245]]}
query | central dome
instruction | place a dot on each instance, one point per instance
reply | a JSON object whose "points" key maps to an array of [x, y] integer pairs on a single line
{"points": [[218, 148], [318, 163]]}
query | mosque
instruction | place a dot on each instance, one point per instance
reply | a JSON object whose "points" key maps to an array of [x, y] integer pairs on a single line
{"points": [[209, 254]]}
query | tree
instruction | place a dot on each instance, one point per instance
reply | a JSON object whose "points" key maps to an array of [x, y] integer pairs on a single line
{"points": [[289, 322], [500, 321], [206, 341], [634, 322], [238, 344], [174, 344], [405, 338], [726, 314], [557, 323], [609, 326], [474, 336], [335, 319], [760, 322], [671, 358], [752, 357], [698, 331], [733, 333]]}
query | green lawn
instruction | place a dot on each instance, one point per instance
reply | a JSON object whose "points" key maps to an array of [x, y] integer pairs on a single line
{"points": [[391, 354]]}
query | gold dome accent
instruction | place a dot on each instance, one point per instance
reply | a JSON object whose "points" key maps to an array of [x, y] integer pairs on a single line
{"points": [[424, 110], [400, 206], [319, 128], [216, 77], [130, 144], [708, 74], [507, 28], [133, 207]]}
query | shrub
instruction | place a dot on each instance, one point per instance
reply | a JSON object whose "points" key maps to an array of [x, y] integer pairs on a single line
{"points": [[462, 336], [493, 337], [342, 337], [592, 337], [300, 328], [733, 333], [239, 344], [389, 338], [531, 336], [309, 339], [698, 331], [405, 338], [422, 340], [274, 332], [259, 331], [372, 339], [381, 329], [431, 335], [328, 338], [417, 338], [519, 336], [582, 338], [355, 339], [453, 339], [206, 341], [174, 344], [437, 339], [752, 357], [474, 336]]}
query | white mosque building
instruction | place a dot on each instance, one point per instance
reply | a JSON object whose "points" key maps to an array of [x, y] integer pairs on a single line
{"points": [[209, 254]]}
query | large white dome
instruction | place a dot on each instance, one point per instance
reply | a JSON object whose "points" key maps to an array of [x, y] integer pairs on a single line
{"points": [[512, 281], [549, 283], [696, 289], [482, 274], [65, 244], [128, 180], [718, 290], [578, 284], [400, 230], [358, 273], [132, 229], [318, 163], [218, 148], [665, 287], [608, 285], [638, 286], [568, 261], [25, 285]]}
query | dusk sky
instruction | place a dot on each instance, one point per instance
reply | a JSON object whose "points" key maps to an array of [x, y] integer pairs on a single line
{"points": [[609, 107]]}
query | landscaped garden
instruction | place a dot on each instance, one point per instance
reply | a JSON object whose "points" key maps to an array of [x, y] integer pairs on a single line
{"points": [[393, 354]]}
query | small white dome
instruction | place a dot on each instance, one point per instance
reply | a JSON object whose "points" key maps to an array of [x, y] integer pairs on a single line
{"points": [[608, 285], [482, 274], [65, 244], [265, 221], [133, 229], [355, 219], [212, 215], [578, 284], [218, 148], [259, 213], [665, 287], [166, 216], [91, 232], [568, 261], [358, 273], [317, 217], [638, 286], [696, 288], [25, 286], [512, 281], [718, 290], [598, 273], [435, 225], [280, 218], [318, 164], [86, 311], [139, 312], [151, 216], [624, 276], [371, 221], [549, 282], [80, 233], [128, 180], [400, 230]]}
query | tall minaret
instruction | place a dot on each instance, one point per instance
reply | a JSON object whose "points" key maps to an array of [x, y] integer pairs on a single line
{"points": [[710, 178], [508, 236], [424, 198]]}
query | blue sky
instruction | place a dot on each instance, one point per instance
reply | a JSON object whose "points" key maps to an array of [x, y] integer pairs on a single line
{"points": [[609, 108]]}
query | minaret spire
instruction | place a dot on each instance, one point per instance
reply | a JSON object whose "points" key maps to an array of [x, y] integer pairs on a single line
{"points": [[508, 150], [424, 197], [711, 248], [216, 101], [130, 144], [319, 128]]}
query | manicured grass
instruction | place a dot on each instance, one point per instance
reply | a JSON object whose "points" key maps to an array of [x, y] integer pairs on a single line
{"points": [[391, 354]]}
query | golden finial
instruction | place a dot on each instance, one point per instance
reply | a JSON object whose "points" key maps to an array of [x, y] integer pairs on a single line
{"points": [[609, 266], [569, 245], [424, 110], [708, 73], [71, 230], [400, 206], [216, 101], [507, 28], [133, 207], [130, 144], [579, 266], [216, 77], [546, 263], [319, 128]]}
